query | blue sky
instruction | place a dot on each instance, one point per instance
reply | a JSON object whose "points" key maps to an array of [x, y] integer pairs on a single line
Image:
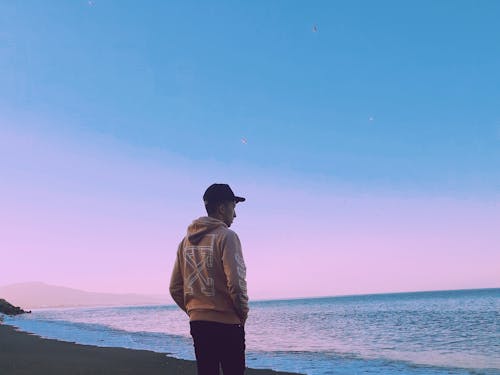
{"points": [[388, 98], [184, 75]]}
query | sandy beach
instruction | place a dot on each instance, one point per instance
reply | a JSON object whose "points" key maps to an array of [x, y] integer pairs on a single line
{"points": [[25, 354]]}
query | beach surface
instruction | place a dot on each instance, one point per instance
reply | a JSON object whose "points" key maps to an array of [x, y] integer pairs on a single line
{"points": [[23, 353]]}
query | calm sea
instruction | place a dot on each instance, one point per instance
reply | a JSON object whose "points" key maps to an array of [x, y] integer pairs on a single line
{"points": [[449, 332]]}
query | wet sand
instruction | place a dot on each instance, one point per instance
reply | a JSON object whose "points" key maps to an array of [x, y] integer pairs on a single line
{"points": [[25, 354]]}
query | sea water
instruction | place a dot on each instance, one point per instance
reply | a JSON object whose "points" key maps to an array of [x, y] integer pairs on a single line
{"points": [[448, 332]]}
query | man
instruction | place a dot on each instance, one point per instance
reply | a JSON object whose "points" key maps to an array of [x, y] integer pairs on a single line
{"points": [[208, 283]]}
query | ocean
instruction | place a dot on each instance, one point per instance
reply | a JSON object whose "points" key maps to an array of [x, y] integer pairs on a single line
{"points": [[446, 332]]}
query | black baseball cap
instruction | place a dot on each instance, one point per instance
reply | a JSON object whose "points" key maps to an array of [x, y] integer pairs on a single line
{"points": [[220, 193]]}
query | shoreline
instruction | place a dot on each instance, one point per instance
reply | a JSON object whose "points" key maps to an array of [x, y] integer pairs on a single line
{"points": [[23, 353]]}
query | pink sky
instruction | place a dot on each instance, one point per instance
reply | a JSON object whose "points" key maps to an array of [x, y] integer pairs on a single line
{"points": [[95, 214]]}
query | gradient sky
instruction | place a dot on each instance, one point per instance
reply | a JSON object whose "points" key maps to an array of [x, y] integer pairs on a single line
{"points": [[365, 136]]}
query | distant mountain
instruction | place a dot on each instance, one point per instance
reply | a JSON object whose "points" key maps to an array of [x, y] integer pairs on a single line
{"points": [[38, 295]]}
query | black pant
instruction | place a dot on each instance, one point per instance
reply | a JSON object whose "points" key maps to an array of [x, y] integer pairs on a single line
{"points": [[218, 344]]}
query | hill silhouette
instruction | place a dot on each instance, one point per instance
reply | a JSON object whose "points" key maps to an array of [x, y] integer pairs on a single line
{"points": [[41, 295]]}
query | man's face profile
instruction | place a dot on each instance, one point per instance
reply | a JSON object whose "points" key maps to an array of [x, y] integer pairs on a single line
{"points": [[227, 212]]}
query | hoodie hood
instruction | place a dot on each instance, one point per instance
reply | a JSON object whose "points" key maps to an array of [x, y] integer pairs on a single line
{"points": [[202, 226]]}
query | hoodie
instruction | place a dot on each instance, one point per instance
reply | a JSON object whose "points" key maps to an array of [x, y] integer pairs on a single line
{"points": [[209, 277]]}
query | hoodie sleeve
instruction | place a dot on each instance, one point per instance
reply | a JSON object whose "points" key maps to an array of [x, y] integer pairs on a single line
{"points": [[177, 281], [235, 270]]}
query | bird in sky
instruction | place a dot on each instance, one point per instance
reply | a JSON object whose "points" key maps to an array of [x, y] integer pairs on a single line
{"points": [[315, 28]]}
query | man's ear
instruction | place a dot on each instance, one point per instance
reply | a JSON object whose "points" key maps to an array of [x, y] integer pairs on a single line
{"points": [[221, 208]]}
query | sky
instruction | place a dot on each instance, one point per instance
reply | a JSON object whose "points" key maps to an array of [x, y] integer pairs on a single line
{"points": [[364, 135]]}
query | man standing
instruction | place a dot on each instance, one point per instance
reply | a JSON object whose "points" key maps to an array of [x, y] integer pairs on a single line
{"points": [[208, 283]]}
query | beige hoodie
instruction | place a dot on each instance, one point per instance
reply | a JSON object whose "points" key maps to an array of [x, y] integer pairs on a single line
{"points": [[208, 279]]}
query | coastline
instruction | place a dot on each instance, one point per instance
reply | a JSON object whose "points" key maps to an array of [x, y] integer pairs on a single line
{"points": [[23, 353]]}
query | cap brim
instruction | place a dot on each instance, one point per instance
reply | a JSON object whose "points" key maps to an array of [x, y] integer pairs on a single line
{"points": [[239, 199]]}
